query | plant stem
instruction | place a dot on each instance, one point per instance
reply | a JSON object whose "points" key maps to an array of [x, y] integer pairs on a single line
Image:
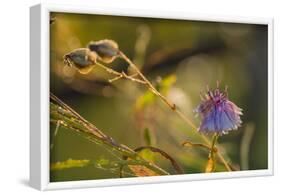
{"points": [[172, 106], [55, 134], [119, 75], [175, 165], [148, 83], [190, 144], [214, 140], [211, 157], [211, 165], [68, 118]]}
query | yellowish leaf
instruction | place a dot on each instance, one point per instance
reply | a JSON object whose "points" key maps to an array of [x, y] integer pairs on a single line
{"points": [[167, 83], [149, 98], [210, 167], [147, 155], [144, 100], [141, 171], [70, 163]]}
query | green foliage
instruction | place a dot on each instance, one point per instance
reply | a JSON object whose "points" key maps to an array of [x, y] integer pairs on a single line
{"points": [[210, 166], [198, 53], [149, 98], [166, 84], [147, 136], [152, 150], [145, 100], [70, 163], [102, 162], [69, 119], [148, 155]]}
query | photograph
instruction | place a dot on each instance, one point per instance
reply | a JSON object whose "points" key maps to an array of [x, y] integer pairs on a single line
{"points": [[134, 96]]}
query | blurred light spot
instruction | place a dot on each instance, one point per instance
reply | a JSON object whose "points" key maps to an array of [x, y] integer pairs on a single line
{"points": [[235, 29], [197, 71], [143, 39], [246, 145], [68, 71], [68, 74], [178, 96], [73, 42], [236, 35], [107, 91]]}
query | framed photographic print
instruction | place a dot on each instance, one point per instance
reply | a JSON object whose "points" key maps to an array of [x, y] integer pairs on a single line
{"points": [[132, 97]]}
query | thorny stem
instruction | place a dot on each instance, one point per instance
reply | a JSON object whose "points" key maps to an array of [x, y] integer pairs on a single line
{"points": [[172, 106]]}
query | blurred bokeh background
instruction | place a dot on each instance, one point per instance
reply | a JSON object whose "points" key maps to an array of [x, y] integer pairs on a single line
{"points": [[180, 57]]}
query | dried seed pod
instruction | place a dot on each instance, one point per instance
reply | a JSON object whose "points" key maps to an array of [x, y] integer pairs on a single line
{"points": [[107, 50], [83, 59]]}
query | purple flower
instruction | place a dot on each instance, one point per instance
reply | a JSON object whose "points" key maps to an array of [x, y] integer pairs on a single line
{"points": [[219, 115]]}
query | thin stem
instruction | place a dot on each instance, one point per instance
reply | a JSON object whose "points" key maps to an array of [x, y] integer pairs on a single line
{"points": [[72, 120], [149, 84], [120, 75], [55, 134], [175, 165], [78, 116], [212, 151], [147, 164], [211, 165], [226, 164], [115, 79], [190, 123], [172, 106], [190, 144]]}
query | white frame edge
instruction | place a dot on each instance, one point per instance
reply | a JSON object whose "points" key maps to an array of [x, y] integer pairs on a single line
{"points": [[35, 176], [39, 96]]}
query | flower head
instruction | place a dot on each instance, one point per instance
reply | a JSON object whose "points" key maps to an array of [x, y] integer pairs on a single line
{"points": [[218, 113]]}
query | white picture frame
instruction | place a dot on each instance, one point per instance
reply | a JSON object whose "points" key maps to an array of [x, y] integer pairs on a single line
{"points": [[39, 102]]}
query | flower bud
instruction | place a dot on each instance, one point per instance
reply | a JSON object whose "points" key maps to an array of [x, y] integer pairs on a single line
{"points": [[83, 59], [107, 50]]}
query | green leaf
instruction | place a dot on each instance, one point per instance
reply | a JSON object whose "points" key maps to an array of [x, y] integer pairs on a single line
{"points": [[166, 83], [144, 150], [148, 138], [70, 163], [107, 164], [103, 162], [70, 119], [146, 99], [149, 98], [147, 154], [142, 171], [210, 166]]}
